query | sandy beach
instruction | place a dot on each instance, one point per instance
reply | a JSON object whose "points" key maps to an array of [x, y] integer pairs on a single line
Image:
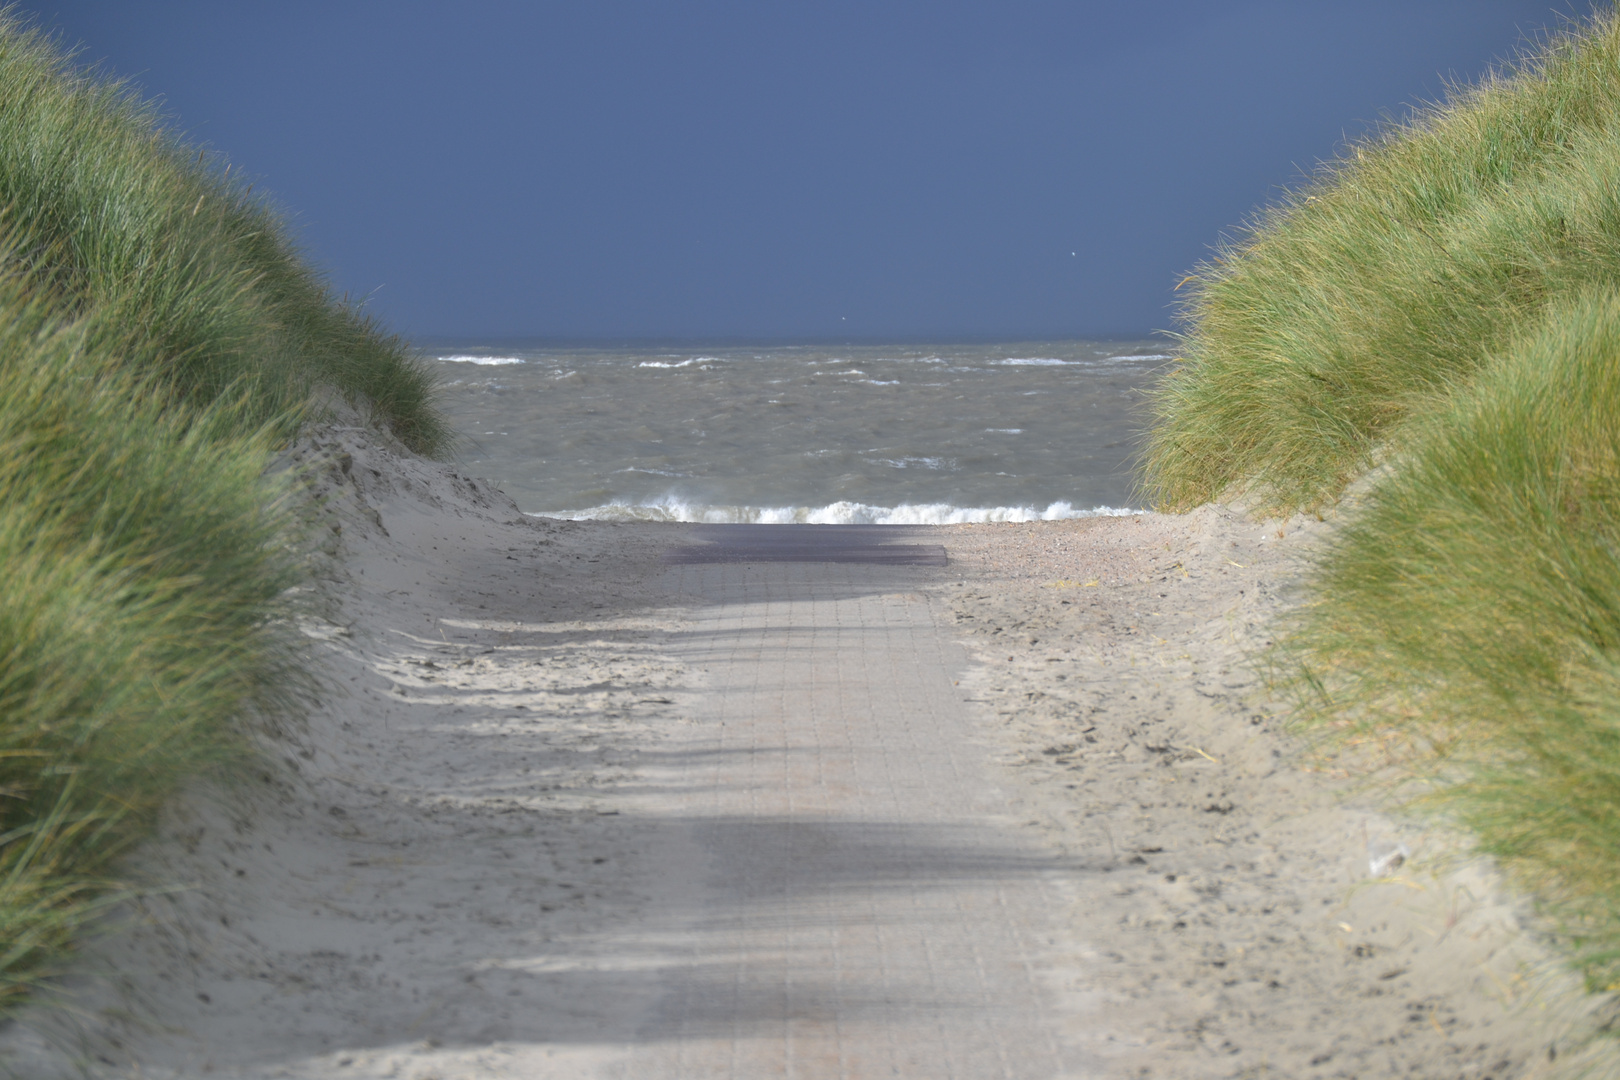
{"points": [[570, 811]]}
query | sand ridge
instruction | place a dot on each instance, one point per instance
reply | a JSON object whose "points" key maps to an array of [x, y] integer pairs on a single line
{"points": [[491, 852], [1260, 915]]}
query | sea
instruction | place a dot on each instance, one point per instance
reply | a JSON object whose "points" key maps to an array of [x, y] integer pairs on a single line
{"points": [[811, 433]]}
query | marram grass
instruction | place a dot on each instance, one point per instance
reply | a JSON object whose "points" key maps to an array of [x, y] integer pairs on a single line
{"points": [[1443, 303], [144, 558], [159, 338], [1468, 615], [197, 275], [1371, 292]]}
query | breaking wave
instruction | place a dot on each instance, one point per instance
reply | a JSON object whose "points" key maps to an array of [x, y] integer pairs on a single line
{"points": [[838, 513]]}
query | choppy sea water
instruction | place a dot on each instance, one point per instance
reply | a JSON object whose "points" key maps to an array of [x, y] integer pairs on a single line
{"points": [[883, 434]]}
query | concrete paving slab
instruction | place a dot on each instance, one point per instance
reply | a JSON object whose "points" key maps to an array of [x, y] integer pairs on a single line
{"points": [[809, 543], [861, 898]]}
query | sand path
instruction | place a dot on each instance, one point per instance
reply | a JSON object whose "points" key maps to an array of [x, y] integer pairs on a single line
{"points": [[864, 901], [568, 811], [571, 812]]}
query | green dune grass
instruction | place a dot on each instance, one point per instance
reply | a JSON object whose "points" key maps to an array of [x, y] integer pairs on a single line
{"points": [[145, 559], [1373, 291], [197, 272], [1467, 617], [159, 338], [1443, 302]]}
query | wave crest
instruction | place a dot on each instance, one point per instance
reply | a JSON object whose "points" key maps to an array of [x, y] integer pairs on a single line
{"points": [[838, 513]]}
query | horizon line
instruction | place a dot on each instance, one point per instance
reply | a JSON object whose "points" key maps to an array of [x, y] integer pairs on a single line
{"points": [[740, 340]]}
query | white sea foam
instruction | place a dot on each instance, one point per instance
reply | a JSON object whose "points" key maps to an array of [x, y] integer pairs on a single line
{"points": [[1049, 361], [1005, 430], [487, 361], [680, 363], [839, 513]]}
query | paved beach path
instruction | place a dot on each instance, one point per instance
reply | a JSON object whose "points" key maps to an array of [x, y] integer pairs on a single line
{"points": [[586, 801], [859, 898]]}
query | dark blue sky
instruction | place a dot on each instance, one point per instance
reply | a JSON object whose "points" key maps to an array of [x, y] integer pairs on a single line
{"points": [[756, 168]]}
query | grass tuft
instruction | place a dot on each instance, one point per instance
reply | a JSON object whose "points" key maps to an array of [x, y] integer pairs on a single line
{"points": [[159, 337], [199, 275], [1443, 302], [1374, 290], [145, 560], [1468, 612]]}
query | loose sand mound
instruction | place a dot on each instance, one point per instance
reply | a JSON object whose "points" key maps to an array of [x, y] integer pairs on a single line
{"points": [[435, 878], [1262, 917]]}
